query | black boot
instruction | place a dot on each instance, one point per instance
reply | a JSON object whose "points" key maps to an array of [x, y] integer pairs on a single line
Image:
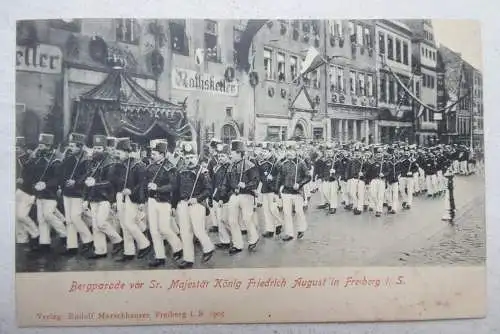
{"points": [[279, 229], [125, 258], [213, 229], [252, 247], [94, 256], [207, 256], [143, 252], [222, 245], [322, 206], [185, 265], [117, 248], [155, 263], [70, 252], [233, 250], [177, 255], [332, 211], [268, 234], [287, 238], [300, 235]]}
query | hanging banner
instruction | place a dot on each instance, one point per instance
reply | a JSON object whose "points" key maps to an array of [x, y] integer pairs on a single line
{"points": [[185, 79]]}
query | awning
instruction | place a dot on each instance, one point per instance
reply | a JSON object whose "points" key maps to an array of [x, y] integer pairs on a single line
{"points": [[120, 105]]}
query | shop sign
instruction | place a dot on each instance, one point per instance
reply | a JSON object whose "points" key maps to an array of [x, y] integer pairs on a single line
{"points": [[185, 79], [41, 58]]}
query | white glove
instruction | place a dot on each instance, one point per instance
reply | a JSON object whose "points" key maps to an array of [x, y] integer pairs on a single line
{"points": [[332, 171], [70, 183], [296, 186], [40, 186], [90, 182], [381, 175], [220, 203], [409, 174], [126, 192], [192, 201], [152, 186], [360, 173], [85, 205], [241, 185], [269, 177]]}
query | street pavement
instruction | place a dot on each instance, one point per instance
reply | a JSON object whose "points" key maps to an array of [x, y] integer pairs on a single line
{"points": [[411, 237]]}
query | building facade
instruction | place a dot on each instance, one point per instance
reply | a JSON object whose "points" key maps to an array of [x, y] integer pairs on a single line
{"points": [[394, 45], [478, 111]]}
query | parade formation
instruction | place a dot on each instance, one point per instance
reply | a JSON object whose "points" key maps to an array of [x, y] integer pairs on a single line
{"points": [[114, 197]]}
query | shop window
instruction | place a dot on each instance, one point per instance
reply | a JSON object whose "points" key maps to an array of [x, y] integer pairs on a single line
{"points": [[211, 40], [127, 31], [390, 48], [228, 133], [281, 67], [268, 64], [179, 42]]}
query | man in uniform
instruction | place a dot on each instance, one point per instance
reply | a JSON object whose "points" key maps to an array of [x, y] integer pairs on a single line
{"points": [[243, 181], [128, 179], [392, 172], [25, 226], [293, 175], [72, 178], [46, 181], [356, 182], [376, 173], [408, 168], [100, 194], [161, 187], [327, 174], [194, 187], [213, 220]]}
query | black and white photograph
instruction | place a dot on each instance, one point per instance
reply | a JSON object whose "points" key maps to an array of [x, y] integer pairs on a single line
{"points": [[165, 144]]}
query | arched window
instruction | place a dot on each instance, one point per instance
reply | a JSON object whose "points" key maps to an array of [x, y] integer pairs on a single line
{"points": [[228, 133], [298, 133]]}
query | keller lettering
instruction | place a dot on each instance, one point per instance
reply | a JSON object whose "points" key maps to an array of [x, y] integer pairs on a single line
{"points": [[191, 80], [41, 58]]}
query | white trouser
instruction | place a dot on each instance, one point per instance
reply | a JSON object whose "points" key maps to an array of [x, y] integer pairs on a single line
{"points": [[269, 212], [73, 208], [25, 226], [406, 187], [330, 191], [221, 212], [431, 182], [421, 179], [212, 220], [127, 214], [441, 181], [416, 183], [46, 218], [290, 201], [367, 195], [101, 227], [160, 227], [377, 189], [456, 166], [356, 193], [344, 194], [463, 167], [191, 223], [393, 196], [242, 203]]}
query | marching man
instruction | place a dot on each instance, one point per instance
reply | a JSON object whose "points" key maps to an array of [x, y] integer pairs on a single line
{"points": [[46, 185], [73, 173], [408, 168], [194, 189], [100, 194], [25, 198], [243, 181], [292, 177], [129, 176], [161, 187]]}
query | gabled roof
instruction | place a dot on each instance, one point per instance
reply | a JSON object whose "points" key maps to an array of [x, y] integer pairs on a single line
{"points": [[302, 100]]}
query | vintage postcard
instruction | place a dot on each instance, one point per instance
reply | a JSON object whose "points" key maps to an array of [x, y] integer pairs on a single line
{"points": [[248, 171]]}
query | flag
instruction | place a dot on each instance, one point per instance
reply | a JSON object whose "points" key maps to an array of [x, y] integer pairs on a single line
{"points": [[313, 61]]}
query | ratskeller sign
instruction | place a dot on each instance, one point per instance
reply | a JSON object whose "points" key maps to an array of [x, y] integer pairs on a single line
{"points": [[185, 79]]}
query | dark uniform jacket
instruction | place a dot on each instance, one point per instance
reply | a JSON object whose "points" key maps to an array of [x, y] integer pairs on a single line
{"points": [[164, 175], [291, 172], [24, 170], [392, 170], [101, 170], [408, 167], [247, 172], [220, 184], [355, 167], [430, 166], [74, 166], [194, 183], [374, 169], [135, 179], [268, 167], [50, 177]]}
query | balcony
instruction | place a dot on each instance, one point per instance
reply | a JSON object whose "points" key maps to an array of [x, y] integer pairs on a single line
{"points": [[428, 126]]}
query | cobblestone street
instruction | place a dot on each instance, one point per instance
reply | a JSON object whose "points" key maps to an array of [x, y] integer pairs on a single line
{"points": [[414, 237]]}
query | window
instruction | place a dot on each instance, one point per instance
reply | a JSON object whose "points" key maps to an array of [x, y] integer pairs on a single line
{"points": [[276, 133], [268, 64], [293, 67], [281, 67], [340, 79], [431, 82], [390, 48], [398, 50], [229, 111], [392, 93], [417, 89], [315, 78], [359, 35], [369, 85], [352, 32], [337, 78], [228, 133], [424, 80], [127, 31], [337, 28], [317, 133], [352, 82], [383, 87], [381, 43], [434, 56], [361, 84], [405, 53], [178, 39], [368, 38], [211, 36], [426, 53], [423, 51]]}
